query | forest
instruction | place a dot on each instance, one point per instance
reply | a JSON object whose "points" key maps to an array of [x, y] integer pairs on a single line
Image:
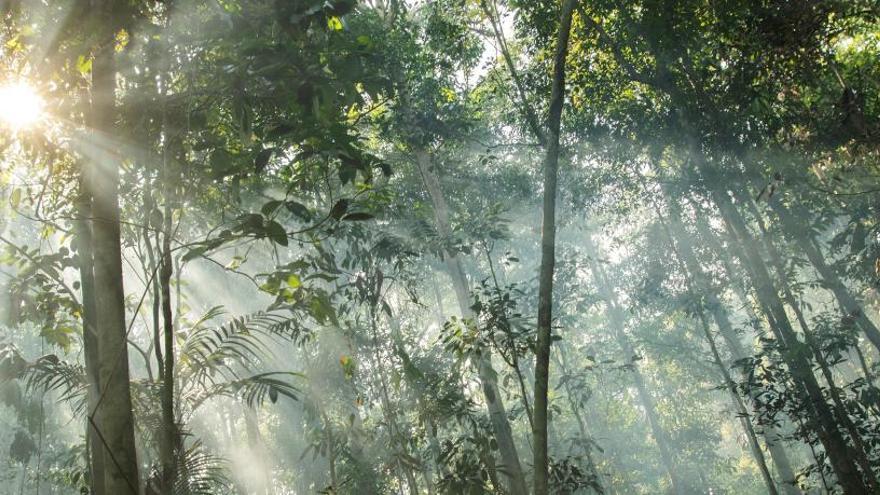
{"points": [[425, 247]]}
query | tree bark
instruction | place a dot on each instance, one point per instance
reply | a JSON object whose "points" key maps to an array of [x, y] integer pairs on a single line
{"points": [[258, 449], [693, 274], [858, 449], [168, 441], [512, 470], [90, 335], [114, 405], [583, 429], [548, 255]]}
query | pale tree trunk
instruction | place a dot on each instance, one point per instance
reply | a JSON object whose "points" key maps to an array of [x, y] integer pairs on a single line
{"points": [[618, 325], [548, 255], [858, 450], [821, 419], [513, 362], [114, 408], [741, 409], [772, 437], [685, 252], [692, 272], [583, 429], [845, 300], [396, 434], [258, 449], [511, 469]]}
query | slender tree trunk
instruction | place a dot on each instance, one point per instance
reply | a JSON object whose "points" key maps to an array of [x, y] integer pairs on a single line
{"points": [[741, 409], [586, 437], [845, 300], [511, 468], [90, 336], [719, 313], [514, 362], [548, 255], [114, 406], [334, 480], [772, 437], [154, 286], [168, 441], [618, 324], [436, 468], [395, 433], [692, 272], [795, 353], [823, 421], [858, 449], [258, 449]]}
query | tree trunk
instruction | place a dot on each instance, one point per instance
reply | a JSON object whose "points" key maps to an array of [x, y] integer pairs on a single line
{"points": [[858, 449], [151, 269], [586, 437], [511, 468], [396, 434], [796, 352], [741, 409], [845, 300], [258, 449], [719, 313], [114, 406], [90, 335], [693, 274], [168, 440], [618, 324], [548, 255]]}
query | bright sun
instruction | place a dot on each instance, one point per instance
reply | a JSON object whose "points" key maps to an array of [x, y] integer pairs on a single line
{"points": [[20, 105]]}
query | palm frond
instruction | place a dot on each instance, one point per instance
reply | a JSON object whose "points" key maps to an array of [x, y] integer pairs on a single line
{"points": [[200, 473], [255, 389], [46, 374], [237, 343]]}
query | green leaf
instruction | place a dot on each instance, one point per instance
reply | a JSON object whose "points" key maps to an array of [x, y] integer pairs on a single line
{"points": [[299, 210], [15, 198], [84, 65], [334, 23], [194, 253], [359, 216], [269, 207], [276, 232], [321, 309], [221, 164], [339, 209], [262, 159]]}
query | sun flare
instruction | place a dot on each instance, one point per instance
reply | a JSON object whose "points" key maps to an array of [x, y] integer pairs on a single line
{"points": [[20, 105]]}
